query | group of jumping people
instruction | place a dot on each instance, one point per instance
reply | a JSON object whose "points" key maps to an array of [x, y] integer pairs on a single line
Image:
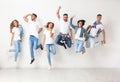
{"points": [[64, 38]]}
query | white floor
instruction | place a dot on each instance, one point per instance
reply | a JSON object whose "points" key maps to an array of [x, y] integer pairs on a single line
{"points": [[60, 75]]}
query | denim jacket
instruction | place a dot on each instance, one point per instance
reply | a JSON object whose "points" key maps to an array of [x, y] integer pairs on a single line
{"points": [[83, 30], [21, 31]]}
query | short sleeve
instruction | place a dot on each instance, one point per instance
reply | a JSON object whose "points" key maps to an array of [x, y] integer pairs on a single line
{"points": [[29, 20], [101, 26], [44, 32], [91, 24], [13, 30], [39, 24]]}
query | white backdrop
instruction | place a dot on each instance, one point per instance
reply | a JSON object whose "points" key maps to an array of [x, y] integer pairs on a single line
{"points": [[107, 56]]}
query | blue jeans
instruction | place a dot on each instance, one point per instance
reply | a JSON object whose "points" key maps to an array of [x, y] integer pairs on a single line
{"points": [[63, 38], [50, 48], [79, 46], [17, 48], [90, 43], [33, 41]]}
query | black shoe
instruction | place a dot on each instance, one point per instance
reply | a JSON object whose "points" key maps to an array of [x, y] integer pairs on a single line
{"points": [[32, 61], [15, 60], [64, 46], [83, 51], [41, 47]]}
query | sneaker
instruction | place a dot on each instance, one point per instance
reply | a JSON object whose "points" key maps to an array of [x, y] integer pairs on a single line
{"points": [[32, 61], [83, 51], [50, 67], [15, 60], [41, 47], [64, 46], [98, 43]]}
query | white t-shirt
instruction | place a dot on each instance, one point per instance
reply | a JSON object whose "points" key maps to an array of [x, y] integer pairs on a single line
{"points": [[49, 40], [77, 35], [94, 31], [34, 27], [16, 32], [64, 26]]}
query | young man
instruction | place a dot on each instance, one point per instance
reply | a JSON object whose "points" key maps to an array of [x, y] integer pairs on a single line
{"points": [[34, 30], [65, 34], [94, 30]]}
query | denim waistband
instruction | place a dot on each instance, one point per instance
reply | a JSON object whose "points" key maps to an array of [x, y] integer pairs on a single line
{"points": [[32, 36], [64, 34]]}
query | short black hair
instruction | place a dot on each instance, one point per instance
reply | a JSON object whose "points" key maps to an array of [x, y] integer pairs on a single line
{"points": [[99, 15], [83, 22], [34, 15], [65, 14]]}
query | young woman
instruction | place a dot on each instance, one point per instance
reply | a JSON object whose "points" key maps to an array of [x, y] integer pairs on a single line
{"points": [[16, 38], [80, 35], [49, 42]]}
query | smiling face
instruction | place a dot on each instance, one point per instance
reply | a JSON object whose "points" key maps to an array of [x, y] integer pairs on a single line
{"points": [[65, 17], [80, 24], [15, 23], [33, 16], [50, 25], [99, 18]]}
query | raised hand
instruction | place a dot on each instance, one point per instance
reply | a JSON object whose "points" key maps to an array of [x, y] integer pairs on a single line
{"points": [[73, 16], [59, 7]]}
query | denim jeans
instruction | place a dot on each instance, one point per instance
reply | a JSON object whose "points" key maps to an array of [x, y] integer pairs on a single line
{"points": [[79, 45], [50, 48], [90, 43], [17, 48], [66, 39], [33, 41]]}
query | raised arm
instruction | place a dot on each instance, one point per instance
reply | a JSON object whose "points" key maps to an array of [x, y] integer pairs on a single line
{"points": [[26, 17], [71, 24], [58, 12]]}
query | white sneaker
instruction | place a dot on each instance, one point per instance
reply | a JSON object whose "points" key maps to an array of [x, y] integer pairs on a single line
{"points": [[50, 67], [98, 43]]}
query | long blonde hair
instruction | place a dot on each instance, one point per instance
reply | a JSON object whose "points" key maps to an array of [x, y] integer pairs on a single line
{"points": [[12, 25]]}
